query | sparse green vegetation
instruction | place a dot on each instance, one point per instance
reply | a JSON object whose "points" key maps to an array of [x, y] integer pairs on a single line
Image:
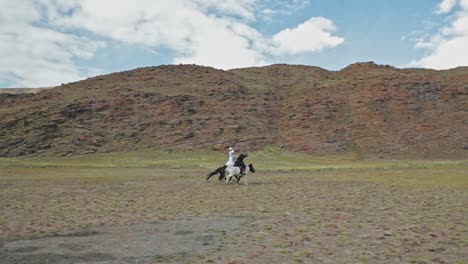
{"points": [[270, 159], [301, 208], [190, 108]]}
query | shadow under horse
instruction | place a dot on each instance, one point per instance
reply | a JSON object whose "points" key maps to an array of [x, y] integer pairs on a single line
{"points": [[222, 170]]}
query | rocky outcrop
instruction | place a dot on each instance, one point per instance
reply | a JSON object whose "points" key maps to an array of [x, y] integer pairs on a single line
{"points": [[365, 108]]}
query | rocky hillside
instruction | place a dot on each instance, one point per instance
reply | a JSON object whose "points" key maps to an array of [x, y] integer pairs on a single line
{"points": [[365, 108]]}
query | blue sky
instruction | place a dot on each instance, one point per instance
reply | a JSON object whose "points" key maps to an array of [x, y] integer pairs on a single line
{"points": [[48, 42]]}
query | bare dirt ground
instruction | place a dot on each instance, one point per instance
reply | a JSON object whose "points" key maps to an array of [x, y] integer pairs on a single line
{"points": [[153, 215], [163, 241]]}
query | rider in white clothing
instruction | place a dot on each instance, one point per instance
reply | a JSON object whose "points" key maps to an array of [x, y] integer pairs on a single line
{"points": [[230, 161]]}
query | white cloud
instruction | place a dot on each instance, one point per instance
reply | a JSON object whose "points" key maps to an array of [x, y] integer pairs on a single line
{"points": [[242, 8], [37, 56], [268, 12], [222, 44], [448, 54], [180, 25], [313, 35], [447, 48], [207, 32], [203, 38], [446, 6]]}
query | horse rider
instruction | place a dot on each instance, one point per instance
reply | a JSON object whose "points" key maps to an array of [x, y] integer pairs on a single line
{"points": [[230, 161], [237, 163]]}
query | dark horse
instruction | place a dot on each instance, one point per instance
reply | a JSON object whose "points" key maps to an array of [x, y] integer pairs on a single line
{"points": [[222, 170]]}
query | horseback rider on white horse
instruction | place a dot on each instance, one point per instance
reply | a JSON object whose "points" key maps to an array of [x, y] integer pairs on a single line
{"points": [[231, 164], [239, 161]]}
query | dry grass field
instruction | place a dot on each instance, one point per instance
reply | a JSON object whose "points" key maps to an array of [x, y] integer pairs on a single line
{"points": [[158, 208]]}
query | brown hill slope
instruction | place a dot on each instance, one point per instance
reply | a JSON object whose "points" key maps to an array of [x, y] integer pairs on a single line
{"points": [[364, 108]]}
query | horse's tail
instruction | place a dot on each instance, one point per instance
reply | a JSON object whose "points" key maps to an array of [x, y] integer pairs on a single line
{"points": [[219, 170], [251, 168], [212, 173]]}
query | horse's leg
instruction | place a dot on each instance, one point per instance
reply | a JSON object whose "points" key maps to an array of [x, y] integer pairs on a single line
{"points": [[222, 175], [238, 178], [222, 172], [245, 179]]}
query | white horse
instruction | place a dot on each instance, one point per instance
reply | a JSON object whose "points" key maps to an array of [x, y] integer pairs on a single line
{"points": [[232, 171]]}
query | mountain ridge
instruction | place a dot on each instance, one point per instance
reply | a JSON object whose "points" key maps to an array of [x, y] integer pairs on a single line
{"points": [[364, 108]]}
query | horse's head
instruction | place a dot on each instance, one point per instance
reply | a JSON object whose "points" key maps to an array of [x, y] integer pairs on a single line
{"points": [[242, 156]]}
